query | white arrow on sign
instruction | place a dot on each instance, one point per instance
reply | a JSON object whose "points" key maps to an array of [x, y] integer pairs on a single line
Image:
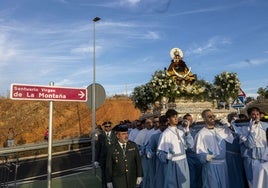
{"points": [[81, 94]]}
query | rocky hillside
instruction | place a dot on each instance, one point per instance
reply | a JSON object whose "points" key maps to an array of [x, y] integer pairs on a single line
{"points": [[70, 119]]}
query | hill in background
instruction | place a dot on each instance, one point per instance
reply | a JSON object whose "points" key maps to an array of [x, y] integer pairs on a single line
{"points": [[30, 119]]}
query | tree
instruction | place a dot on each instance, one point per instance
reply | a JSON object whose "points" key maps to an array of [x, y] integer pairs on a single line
{"points": [[263, 92], [142, 96], [249, 99]]}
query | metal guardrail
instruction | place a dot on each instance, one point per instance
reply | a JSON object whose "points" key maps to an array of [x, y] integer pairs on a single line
{"points": [[43, 145], [10, 156], [4, 175]]}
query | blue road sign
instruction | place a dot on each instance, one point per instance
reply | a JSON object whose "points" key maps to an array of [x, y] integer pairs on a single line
{"points": [[239, 102]]}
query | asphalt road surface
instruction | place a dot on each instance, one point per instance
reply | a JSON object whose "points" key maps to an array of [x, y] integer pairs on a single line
{"points": [[62, 164]]}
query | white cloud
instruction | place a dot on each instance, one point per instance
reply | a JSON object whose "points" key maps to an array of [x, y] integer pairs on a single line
{"points": [[7, 48], [82, 50], [130, 2], [210, 9], [204, 10], [46, 71], [61, 1], [113, 24], [152, 35], [213, 44], [115, 3], [249, 63], [64, 82]]}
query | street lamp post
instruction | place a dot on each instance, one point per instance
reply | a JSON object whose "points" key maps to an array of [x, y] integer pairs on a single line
{"points": [[93, 122]]}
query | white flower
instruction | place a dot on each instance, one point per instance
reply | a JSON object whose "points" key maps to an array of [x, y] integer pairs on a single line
{"points": [[202, 89]]}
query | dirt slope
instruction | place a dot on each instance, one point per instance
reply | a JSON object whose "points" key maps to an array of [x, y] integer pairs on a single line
{"points": [[70, 119]]}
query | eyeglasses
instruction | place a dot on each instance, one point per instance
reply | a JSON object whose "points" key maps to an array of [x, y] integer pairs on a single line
{"points": [[107, 126], [211, 116]]}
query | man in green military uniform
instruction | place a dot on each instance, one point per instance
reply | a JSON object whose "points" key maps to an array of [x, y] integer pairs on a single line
{"points": [[105, 140], [123, 163]]}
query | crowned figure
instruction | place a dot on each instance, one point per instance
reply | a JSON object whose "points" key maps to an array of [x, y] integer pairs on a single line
{"points": [[178, 69]]}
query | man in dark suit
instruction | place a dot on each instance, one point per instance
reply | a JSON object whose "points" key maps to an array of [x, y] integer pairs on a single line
{"points": [[105, 139], [123, 163]]}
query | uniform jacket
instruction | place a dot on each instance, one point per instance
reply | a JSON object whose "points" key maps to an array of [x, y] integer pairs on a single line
{"points": [[123, 170], [102, 146]]}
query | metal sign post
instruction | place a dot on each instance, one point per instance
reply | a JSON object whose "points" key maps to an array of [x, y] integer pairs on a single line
{"points": [[50, 136], [93, 118]]}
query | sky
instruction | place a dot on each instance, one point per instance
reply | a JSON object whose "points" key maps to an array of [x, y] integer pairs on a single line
{"points": [[53, 40]]}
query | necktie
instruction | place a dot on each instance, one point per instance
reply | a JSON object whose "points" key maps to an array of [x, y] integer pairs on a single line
{"points": [[108, 138], [124, 149]]}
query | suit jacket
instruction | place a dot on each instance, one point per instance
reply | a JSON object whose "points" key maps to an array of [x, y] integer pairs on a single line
{"points": [[123, 170], [102, 146]]}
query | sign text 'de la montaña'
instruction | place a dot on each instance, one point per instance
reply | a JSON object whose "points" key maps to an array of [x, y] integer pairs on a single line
{"points": [[50, 93]]}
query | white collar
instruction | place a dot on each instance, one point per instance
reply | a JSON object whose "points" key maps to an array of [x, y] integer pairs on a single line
{"points": [[108, 133], [121, 144]]}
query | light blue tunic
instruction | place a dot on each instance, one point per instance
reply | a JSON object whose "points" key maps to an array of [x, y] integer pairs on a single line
{"points": [[176, 171], [151, 153], [236, 171], [147, 161], [195, 166], [251, 152], [215, 172]]}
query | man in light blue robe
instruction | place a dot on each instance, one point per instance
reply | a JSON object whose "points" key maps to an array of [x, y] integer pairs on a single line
{"points": [[156, 167], [253, 142], [211, 150], [195, 166], [236, 171], [171, 150], [141, 140], [146, 160], [135, 131]]}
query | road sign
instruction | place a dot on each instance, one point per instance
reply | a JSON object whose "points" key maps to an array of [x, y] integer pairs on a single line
{"points": [[241, 93], [47, 93], [99, 97], [239, 102]]}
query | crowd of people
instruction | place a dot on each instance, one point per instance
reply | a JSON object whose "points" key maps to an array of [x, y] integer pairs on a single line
{"points": [[169, 151]]}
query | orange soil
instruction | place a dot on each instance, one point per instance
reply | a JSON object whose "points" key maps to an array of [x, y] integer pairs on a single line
{"points": [[70, 119]]}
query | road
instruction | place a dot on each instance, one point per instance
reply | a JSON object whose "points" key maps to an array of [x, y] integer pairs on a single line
{"points": [[62, 164]]}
